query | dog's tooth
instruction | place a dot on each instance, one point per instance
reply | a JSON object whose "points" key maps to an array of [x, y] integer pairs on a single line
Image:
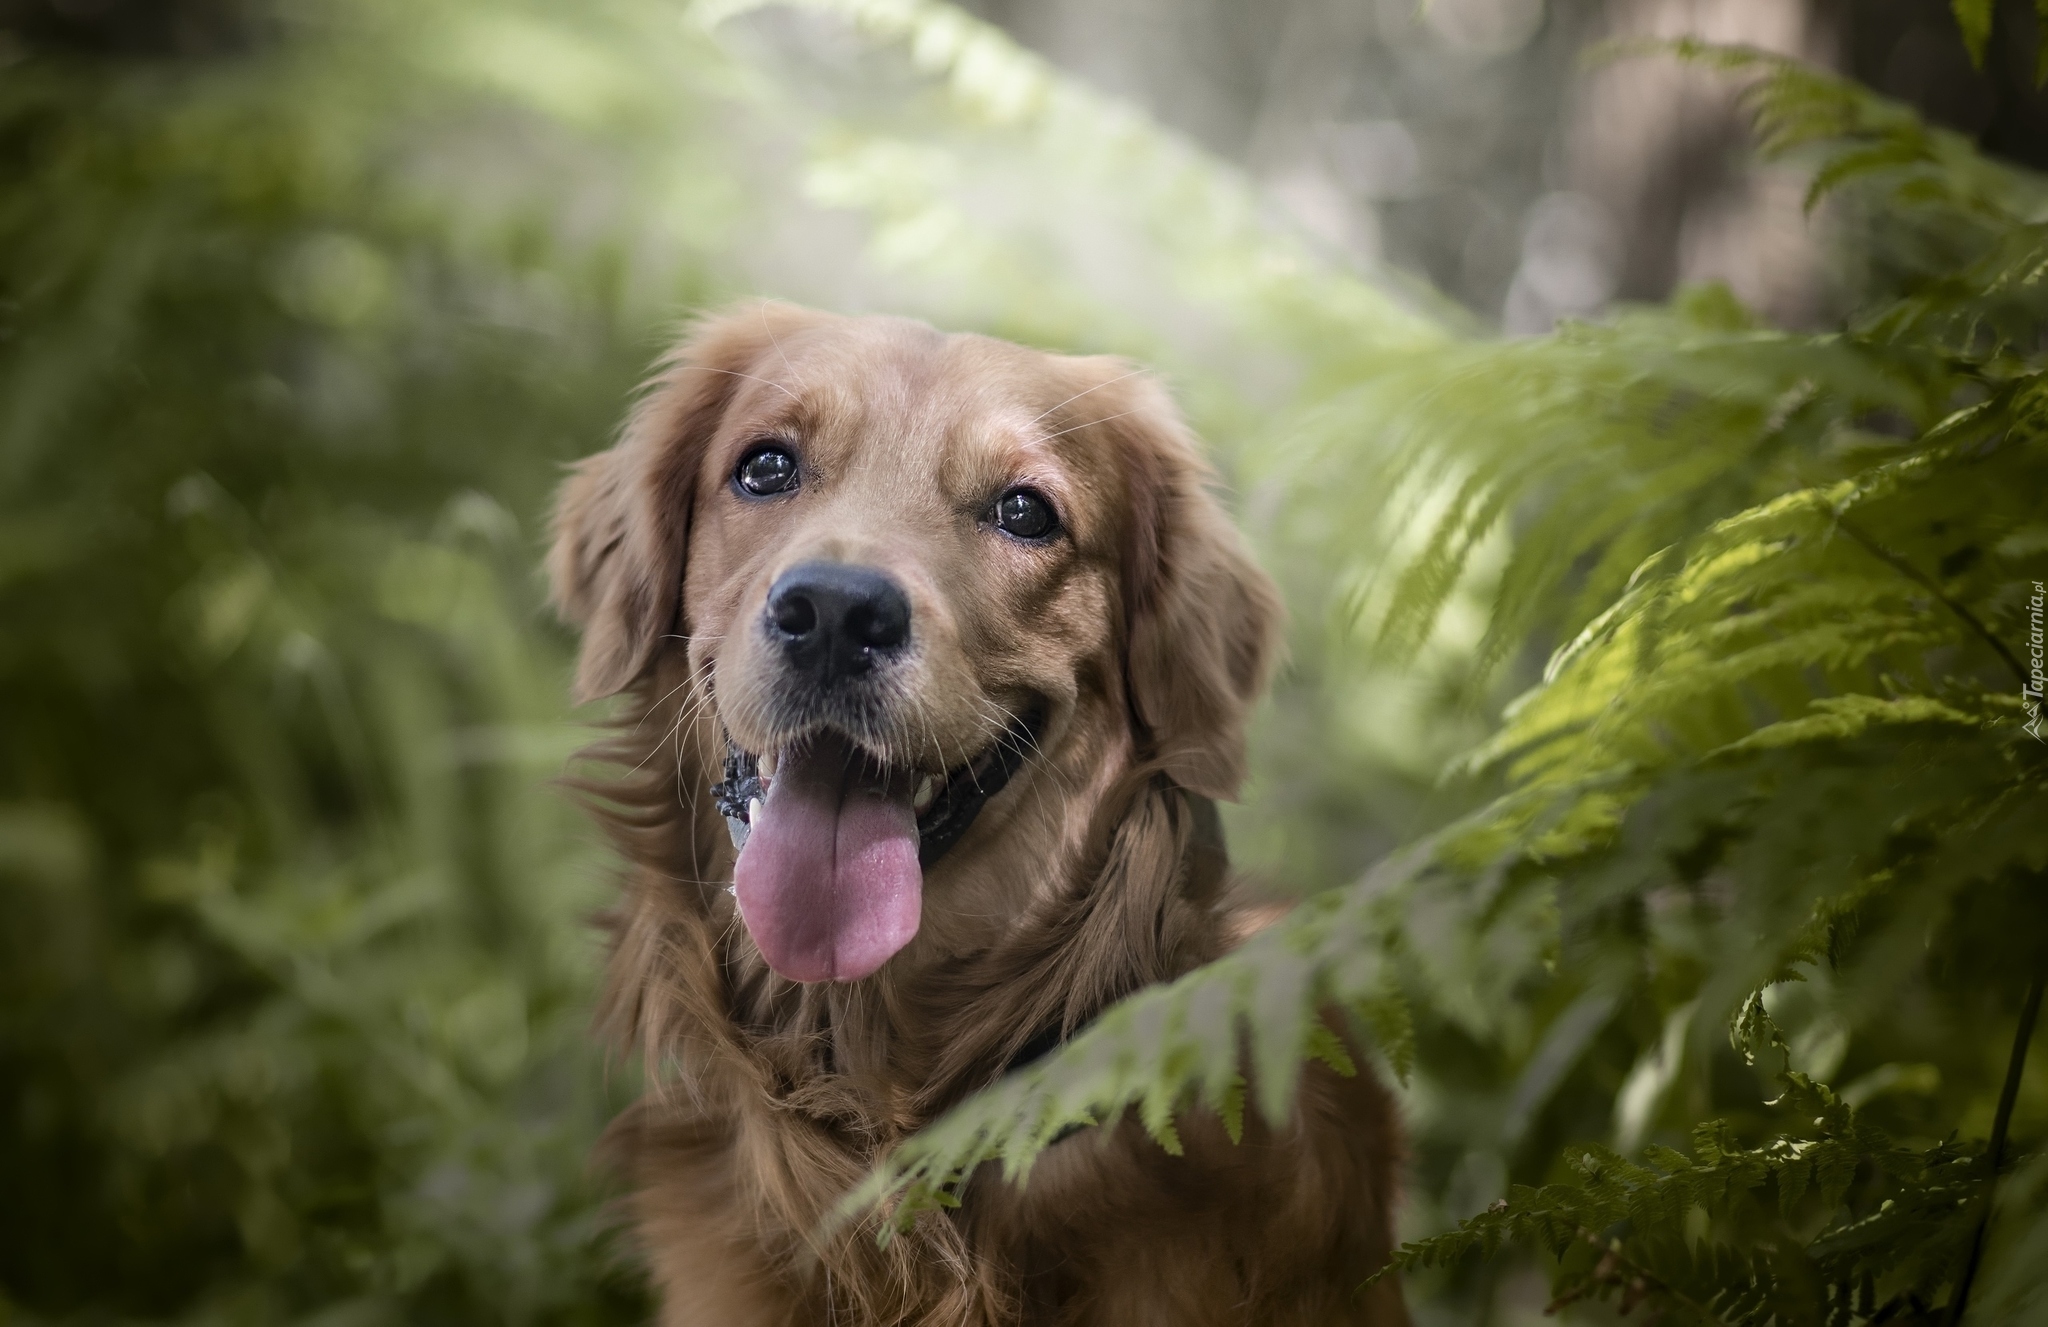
{"points": [[927, 788], [766, 764], [753, 810]]}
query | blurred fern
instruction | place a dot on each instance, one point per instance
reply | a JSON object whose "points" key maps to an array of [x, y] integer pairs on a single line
{"points": [[296, 969]]}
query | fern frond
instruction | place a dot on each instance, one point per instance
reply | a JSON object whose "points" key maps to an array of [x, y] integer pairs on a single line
{"points": [[1777, 1244], [1168, 1050]]}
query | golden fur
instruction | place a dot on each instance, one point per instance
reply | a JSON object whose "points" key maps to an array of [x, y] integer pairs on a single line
{"points": [[1143, 634]]}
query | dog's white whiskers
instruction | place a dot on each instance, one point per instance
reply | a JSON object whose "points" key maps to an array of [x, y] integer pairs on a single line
{"points": [[1089, 425], [659, 703], [1010, 720], [676, 738], [1085, 391], [752, 377], [1000, 722], [761, 311], [966, 762], [923, 711], [684, 712], [652, 751]]}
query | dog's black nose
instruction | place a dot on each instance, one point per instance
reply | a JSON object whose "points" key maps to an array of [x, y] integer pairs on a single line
{"points": [[835, 620]]}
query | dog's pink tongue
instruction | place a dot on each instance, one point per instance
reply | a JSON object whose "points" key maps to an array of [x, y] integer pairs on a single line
{"points": [[829, 884]]}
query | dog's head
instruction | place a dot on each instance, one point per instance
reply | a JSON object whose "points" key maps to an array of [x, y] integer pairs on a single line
{"points": [[921, 582]]}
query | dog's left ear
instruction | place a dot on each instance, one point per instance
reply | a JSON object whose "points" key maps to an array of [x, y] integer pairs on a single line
{"points": [[1201, 620]]}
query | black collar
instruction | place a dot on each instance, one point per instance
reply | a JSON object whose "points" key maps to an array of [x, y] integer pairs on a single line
{"points": [[951, 813]]}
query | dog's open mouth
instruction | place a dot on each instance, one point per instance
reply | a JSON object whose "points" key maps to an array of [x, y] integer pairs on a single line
{"points": [[834, 846]]}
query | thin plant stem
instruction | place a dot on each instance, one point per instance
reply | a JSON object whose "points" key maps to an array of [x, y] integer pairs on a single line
{"points": [[1995, 1154], [1918, 577]]}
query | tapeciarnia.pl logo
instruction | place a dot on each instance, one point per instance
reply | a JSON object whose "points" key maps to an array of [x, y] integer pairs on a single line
{"points": [[2030, 692]]}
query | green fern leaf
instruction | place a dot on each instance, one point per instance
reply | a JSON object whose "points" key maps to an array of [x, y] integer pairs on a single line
{"points": [[1974, 18]]}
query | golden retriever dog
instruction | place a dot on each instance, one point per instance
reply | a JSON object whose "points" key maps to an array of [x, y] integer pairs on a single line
{"points": [[937, 651]]}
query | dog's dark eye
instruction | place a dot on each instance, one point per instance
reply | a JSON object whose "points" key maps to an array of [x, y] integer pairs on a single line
{"points": [[766, 470], [1025, 514]]}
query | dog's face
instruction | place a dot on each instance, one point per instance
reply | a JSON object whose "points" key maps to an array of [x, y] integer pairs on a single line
{"points": [[918, 580]]}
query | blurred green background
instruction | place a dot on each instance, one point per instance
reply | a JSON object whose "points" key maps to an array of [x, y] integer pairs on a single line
{"points": [[304, 304]]}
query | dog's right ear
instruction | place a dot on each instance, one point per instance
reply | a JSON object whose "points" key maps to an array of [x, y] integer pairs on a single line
{"points": [[1202, 621], [622, 518]]}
